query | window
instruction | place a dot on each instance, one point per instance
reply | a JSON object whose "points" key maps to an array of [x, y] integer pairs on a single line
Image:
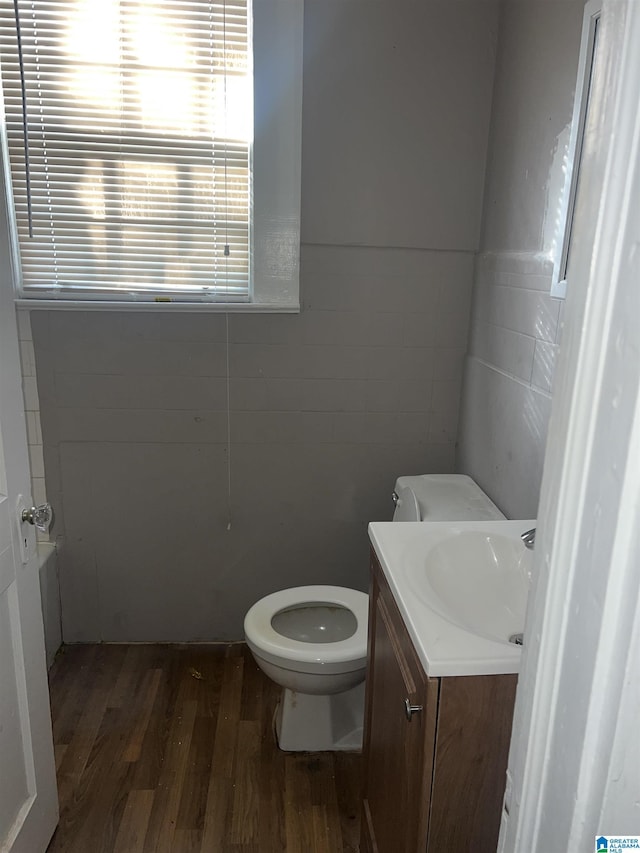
{"points": [[135, 171], [586, 69]]}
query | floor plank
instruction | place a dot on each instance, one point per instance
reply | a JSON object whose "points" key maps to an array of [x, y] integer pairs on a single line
{"points": [[135, 819], [170, 749]]}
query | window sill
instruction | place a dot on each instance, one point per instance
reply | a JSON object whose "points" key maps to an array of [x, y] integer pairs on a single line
{"points": [[170, 307]]}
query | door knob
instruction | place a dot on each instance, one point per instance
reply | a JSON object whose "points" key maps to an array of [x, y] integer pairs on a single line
{"points": [[40, 516], [410, 709]]}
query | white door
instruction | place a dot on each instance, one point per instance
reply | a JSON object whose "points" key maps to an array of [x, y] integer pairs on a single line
{"points": [[28, 793]]}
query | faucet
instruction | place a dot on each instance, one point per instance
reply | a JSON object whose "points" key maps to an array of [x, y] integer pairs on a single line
{"points": [[529, 538]]}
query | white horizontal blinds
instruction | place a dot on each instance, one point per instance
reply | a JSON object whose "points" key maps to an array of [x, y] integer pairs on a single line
{"points": [[139, 122]]}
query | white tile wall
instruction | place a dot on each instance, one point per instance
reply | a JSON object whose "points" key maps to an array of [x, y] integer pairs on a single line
{"points": [[327, 408], [514, 336], [515, 323], [32, 409]]}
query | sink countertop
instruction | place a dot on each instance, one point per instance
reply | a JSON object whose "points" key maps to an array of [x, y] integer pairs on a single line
{"points": [[444, 648]]}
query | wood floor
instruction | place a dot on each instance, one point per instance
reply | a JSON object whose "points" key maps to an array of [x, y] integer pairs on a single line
{"points": [[169, 749]]}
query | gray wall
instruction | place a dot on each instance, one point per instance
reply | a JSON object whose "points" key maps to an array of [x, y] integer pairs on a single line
{"points": [[326, 407], [515, 325]]}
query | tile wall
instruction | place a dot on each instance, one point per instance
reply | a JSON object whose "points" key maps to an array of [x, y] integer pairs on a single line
{"points": [[513, 342], [167, 529], [515, 324], [326, 409], [32, 410]]}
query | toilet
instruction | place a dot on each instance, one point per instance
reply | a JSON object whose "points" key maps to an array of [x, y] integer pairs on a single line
{"points": [[312, 640]]}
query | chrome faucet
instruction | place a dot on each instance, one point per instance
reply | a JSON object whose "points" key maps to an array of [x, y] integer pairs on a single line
{"points": [[529, 538]]}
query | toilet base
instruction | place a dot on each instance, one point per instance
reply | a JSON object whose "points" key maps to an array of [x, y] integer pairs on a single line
{"points": [[306, 723]]}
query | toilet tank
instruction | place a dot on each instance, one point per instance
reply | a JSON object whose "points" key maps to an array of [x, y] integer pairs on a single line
{"points": [[442, 497]]}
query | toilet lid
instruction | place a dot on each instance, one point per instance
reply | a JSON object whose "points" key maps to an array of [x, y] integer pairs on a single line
{"points": [[260, 632]]}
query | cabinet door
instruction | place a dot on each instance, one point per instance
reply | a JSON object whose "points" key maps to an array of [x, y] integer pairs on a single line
{"points": [[475, 713], [399, 751]]}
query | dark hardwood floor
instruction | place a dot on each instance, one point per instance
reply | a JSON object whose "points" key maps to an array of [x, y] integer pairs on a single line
{"points": [[169, 749]]}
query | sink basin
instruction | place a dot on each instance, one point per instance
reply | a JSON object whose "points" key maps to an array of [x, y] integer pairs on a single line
{"points": [[461, 588], [477, 580]]}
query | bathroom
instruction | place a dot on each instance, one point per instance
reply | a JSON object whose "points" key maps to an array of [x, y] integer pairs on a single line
{"points": [[198, 462]]}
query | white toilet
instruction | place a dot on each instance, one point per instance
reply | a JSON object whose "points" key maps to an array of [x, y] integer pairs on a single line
{"points": [[312, 640]]}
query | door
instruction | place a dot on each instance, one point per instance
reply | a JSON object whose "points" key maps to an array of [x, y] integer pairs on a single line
{"points": [[28, 794]]}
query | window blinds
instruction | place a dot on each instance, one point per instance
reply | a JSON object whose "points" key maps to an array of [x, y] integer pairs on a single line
{"points": [[138, 118]]}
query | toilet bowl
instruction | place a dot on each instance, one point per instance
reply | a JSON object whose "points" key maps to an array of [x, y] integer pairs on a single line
{"points": [[312, 640]]}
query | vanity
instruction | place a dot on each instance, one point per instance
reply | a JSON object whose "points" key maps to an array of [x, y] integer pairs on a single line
{"points": [[441, 683]]}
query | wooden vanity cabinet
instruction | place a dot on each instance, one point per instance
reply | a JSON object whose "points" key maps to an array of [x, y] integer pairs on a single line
{"points": [[433, 778]]}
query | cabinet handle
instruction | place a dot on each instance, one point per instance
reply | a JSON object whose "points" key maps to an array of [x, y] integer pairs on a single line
{"points": [[410, 709]]}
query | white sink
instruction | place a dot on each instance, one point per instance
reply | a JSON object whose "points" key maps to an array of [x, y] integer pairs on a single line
{"points": [[478, 580], [461, 588]]}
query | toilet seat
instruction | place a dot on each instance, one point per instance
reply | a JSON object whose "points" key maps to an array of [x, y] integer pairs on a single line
{"points": [[341, 656]]}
